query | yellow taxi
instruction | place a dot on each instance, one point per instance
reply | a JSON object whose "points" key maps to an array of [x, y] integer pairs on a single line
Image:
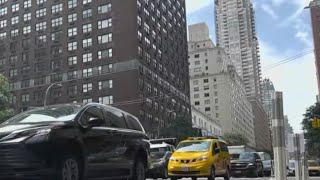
{"points": [[206, 157], [314, 168]]}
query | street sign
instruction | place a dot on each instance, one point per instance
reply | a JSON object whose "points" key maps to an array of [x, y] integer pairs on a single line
{"points": [[315, 123]]}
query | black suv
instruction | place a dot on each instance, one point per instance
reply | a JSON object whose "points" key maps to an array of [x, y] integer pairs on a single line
{"points": [[247, 164], [73, 142]]}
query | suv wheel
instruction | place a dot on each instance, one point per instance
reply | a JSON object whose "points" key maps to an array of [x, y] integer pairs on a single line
{"points": [[227, 175], [69, 168], [212, 174], [139, 172]]}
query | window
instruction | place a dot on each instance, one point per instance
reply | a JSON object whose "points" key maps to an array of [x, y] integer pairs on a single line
{"points": [[56, 8], [41, 26], [87, 28], [105, 69], [3, 11], [205, 80], [86, 1], [72, 46], [3, 1], [25, 57], [207, 109], [72, 4], [206, 95], [72, 90], [105, 23], [25, 70], [72, 75], [217, 115], [56, 35], [3, 23], [26, 30], [72, 32], [216, 101], [105, 54], [15, 20], [13, 72], [196, 96], [14, 32], [104, 8], [56, 77], [105, 38], [87, 100], [196, 56], [197, 69], [106, 100], [197, 63], [72, 60], [105, 84], [217, 108], [55, 50], [15, 7], [41, 1], [25, 97], [86, 87], [56, 22], [196, 89], [207, 102], [216, 93], [87, 72], [197, 103], [206, 87], [27, 17], [87, 13], [87, 42], [92, 112], [116, 118], [72, 17], [13, 59], [41, 12], [87, 57], [27, 4], [3, 35], [196, 82]]}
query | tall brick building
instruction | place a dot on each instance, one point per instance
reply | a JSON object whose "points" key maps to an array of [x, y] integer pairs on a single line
{"points": [[131, 54]]}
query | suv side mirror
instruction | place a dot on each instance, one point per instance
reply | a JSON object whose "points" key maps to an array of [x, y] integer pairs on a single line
{"points": [[95, 122], [216, 151]]}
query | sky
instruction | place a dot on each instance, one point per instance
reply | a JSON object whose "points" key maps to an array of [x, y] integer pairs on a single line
{"points": [[284, 31]]}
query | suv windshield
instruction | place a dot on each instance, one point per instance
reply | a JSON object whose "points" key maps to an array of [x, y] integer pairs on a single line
{"points": [[48, 114], [194, 146], [246, 155], [234, 156]]}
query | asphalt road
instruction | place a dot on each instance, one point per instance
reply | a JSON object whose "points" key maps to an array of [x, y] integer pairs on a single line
{"points": [[266, 178]]}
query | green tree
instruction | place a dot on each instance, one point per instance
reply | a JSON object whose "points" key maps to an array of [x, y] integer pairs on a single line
{"points": [[312, 135], [5, 111], [235, 139], [180, 128]]}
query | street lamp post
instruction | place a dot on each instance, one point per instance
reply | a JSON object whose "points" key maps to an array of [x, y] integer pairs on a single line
{"points": [[45, 97]]}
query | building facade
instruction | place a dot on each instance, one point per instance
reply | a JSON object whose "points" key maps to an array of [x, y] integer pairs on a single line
{"points": [[315, 20], [236, 34], [267, 95], [131, 54], [262, 132], [215, 87], [208, 125]]}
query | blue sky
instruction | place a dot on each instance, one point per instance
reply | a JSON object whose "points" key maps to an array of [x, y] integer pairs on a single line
{"points": [[284, 31]]}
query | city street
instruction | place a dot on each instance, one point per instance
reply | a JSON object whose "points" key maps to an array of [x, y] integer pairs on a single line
{"points": [[266, 178]]}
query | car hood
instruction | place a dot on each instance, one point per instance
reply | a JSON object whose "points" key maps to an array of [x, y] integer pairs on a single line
{"points": [[241, 161], [189, 155], [7, 129], [314, 168]]}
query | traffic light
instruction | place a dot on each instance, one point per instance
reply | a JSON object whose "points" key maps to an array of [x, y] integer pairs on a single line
{"points": [[315, 123]]}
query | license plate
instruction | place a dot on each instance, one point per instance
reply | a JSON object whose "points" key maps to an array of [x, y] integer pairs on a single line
{"points": [[184, 169], [237, 172]]}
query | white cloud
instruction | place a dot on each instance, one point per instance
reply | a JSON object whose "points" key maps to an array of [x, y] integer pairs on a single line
{"points": [[296, 79], [194, 5], [268, 9]]}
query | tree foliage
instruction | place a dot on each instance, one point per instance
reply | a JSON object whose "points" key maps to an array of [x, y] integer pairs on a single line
{"points": [[235, 139], [5, 111], [312, 135], [180, 128]]}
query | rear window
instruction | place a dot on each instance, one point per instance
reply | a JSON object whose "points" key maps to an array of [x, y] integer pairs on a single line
{"points": [[133, 123]]}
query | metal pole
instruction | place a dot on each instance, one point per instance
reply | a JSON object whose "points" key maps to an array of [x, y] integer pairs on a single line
{"points": [[278, 130], [296, 141], [305, 171], [45, 97]]}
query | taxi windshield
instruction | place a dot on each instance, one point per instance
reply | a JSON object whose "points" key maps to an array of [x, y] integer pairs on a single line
{"points": [[194, 146]]}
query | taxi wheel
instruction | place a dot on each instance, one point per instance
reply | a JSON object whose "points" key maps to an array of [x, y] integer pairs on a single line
{"points": [[212, 174]]}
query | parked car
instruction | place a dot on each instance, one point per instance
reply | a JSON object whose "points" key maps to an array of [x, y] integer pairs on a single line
{"points": [[248, 164], [314, 168], [291, 168], [160, 154], [200, 157], [69, 141], [267, 163]]}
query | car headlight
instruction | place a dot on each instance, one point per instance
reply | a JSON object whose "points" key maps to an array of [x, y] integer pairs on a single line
{"points": [[28, 133], [251, 164], [202, 158], [173, 159]]}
